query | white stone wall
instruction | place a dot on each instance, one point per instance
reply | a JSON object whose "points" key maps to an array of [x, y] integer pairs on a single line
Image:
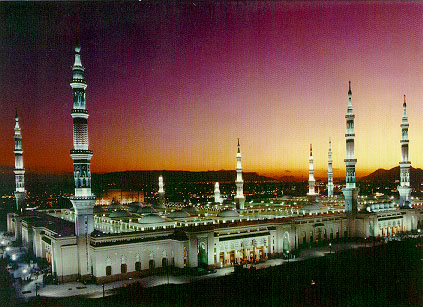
{"points": [[144, 251]]}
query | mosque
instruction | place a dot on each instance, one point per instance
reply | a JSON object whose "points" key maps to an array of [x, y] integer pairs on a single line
{"points": [[106, 243]]}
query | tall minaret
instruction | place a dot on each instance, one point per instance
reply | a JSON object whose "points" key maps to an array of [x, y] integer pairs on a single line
{"points": [[350, 191], [311, 181], [161, 190], [83, 201], [404, 188], [217, 198], [19, 170], [330, 171], [239, 198]]}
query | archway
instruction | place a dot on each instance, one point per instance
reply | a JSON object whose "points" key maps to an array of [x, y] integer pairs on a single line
{"points": [[151, 264], [286, 242], [202, 254]]}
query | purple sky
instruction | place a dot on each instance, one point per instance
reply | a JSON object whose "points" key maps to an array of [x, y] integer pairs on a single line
{"points": [[173, 86]]}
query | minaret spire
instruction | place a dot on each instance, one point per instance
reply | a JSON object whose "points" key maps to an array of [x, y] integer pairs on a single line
{"points": [[311, 181], [330, 170], [161, 190], [404, 188], [217, 198], [350, 191], [19, 170], [239, 198]]}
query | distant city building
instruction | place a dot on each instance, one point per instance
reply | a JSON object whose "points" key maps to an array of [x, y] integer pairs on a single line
{"points": [[120, 197]]}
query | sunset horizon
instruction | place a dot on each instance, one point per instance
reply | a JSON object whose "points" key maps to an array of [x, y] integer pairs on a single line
{"points": [[163, 93]]}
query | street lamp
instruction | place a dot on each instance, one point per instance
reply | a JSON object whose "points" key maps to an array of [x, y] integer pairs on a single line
{"points": [[288, 255], [330, 248]]}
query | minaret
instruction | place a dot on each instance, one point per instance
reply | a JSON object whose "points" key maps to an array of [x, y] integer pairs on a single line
{"points": [[404, 188], [83, 201], [217, 198], [239, 198], [19, 170], [311, 181], [350, 191], [161, 190], [330, 171]]}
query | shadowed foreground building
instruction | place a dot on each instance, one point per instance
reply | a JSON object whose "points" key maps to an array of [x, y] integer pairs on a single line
{"points": [[91, 243]]}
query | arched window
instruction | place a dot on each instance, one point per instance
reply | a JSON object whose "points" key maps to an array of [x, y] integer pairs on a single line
{"points": [[123, 268], [151, 264], [108, 266], [123, 265]]}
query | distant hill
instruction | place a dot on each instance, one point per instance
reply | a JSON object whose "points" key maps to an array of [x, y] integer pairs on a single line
{"points": [[35, 183], [134, 178], [290, 179], [392, 175], [55, 183], [305, 178]]}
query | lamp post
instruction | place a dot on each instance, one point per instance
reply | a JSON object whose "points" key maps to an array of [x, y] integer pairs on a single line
{"points": [[330, 248], [288, 255]]}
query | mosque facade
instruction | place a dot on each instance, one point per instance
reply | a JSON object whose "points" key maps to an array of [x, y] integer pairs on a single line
{"points": [[88, 243]]}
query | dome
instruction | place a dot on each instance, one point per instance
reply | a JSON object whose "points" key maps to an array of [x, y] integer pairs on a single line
{"points": [[134, 207], [151, 219], [178, 214], [113, 206], [119, 214], [159, 206], [190, 210], [313, 207], [228, 213], [135, 204], [146, 210], [98, 209]]}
